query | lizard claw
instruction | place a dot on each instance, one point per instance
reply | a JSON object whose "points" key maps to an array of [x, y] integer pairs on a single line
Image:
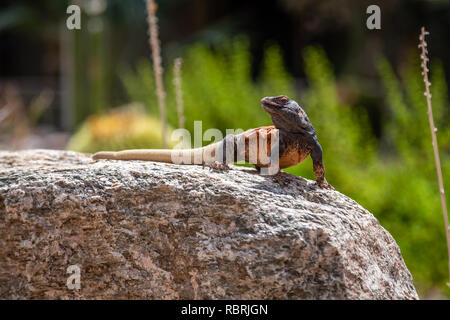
{"points": [[324, 184]]}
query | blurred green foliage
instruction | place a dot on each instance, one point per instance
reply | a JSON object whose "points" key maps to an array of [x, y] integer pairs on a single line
{"points": [[411, 208], [127, 127], [217, 86], [393, 177]]}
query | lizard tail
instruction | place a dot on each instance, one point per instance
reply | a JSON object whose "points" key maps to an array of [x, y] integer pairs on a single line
{"points": [[177, 156], [160, 155], [104, 155]]}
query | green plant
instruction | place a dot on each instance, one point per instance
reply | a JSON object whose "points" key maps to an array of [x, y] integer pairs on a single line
{"points": [[411, 186], [394, 177]]}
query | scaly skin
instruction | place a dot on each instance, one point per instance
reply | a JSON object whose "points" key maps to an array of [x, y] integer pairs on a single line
{"points": [[296, 140]]}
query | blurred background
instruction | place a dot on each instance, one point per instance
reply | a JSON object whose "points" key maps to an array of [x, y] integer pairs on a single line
{"points": [[94, 88]]}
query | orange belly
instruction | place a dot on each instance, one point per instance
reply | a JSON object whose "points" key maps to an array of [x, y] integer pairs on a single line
{"points": [[292, 157]]}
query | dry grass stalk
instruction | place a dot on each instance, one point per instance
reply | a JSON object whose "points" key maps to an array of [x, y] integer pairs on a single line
{"points": [[157, 66], [424, 52], [178, 91], [22, 120]]}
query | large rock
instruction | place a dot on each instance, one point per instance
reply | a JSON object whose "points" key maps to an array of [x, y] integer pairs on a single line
{"points": [[145, 230]]}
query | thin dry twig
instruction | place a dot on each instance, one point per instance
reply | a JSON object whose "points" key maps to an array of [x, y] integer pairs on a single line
{"points": [[5, 113], [425, 70], [17, 116], [178, 91], [157, 66], [20, 119]]}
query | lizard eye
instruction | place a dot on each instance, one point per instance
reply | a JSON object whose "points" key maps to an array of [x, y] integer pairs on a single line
{"points": [[284, 99]]}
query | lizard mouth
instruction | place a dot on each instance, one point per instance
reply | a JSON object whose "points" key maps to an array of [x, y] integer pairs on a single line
{"points": [[270, 105]]}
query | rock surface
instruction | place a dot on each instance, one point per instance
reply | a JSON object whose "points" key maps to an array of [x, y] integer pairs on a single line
{"points": [[145, 230]]}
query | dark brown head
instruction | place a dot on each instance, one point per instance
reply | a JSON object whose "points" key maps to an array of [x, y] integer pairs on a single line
{"points": [[287, 115]]}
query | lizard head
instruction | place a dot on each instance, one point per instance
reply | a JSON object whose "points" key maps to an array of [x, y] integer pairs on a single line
{"points": [[287, 115]]}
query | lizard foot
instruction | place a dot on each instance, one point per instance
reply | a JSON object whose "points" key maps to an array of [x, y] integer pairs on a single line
{"points": [[218, 166], [324, 184]]}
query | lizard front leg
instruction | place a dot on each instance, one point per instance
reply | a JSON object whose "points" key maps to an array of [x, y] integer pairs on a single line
{"points": [[318, 167]]}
